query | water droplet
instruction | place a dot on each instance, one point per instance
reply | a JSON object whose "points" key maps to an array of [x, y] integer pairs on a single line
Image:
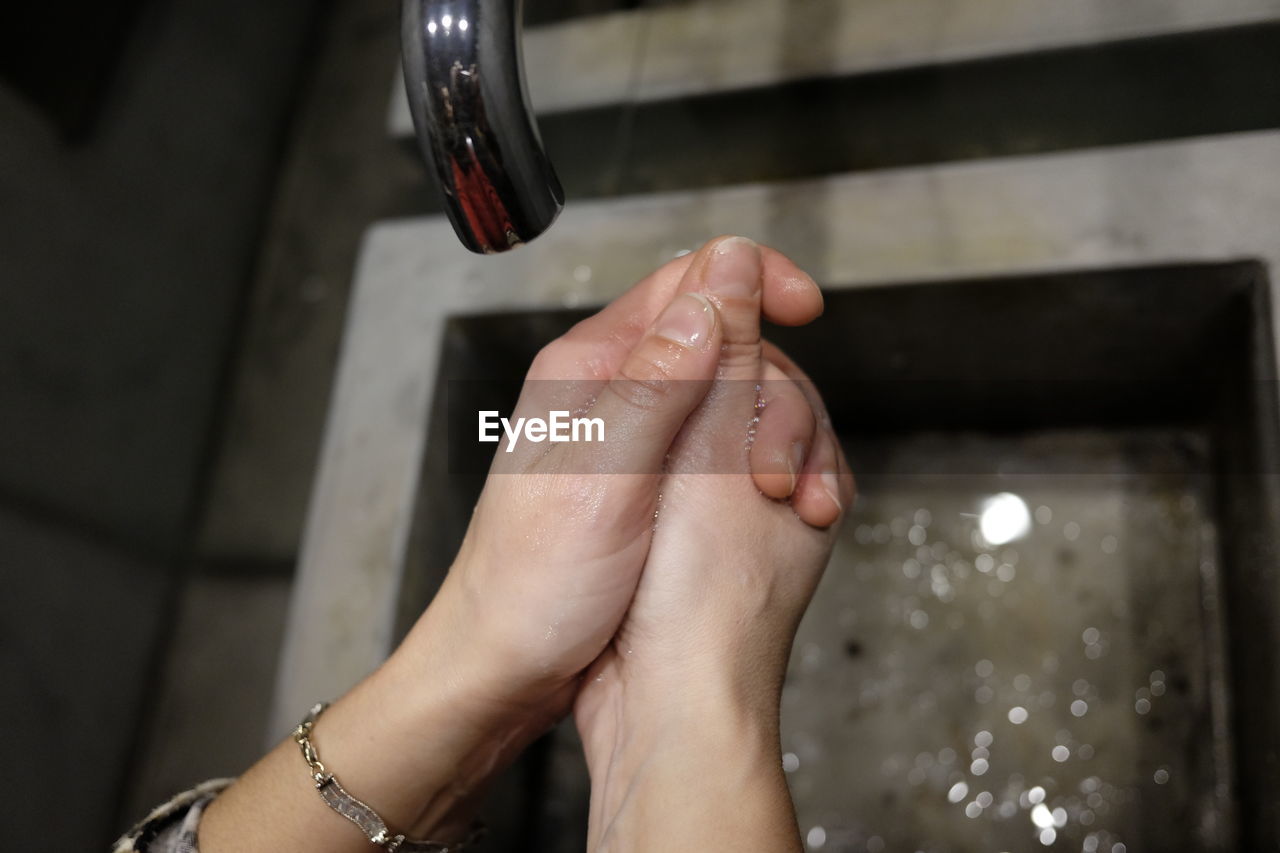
{"points": [[958, 792], [1079, 708], [1061, 753], [1017, 715]]}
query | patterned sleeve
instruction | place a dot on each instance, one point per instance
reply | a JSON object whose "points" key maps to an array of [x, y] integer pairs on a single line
{"points": [[171, 828]]}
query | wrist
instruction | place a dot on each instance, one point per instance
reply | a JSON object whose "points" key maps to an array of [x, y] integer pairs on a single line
{"points": [[632, 723], [690, 766], [422, 737], [459, 646]]}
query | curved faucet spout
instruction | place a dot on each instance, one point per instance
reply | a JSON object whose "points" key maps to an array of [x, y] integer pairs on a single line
{"points": [[465, 80]]}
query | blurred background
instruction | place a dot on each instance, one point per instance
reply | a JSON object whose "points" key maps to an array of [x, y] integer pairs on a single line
{"points": [[195, 196]]}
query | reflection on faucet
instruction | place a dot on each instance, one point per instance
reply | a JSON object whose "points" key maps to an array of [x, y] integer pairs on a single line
{"points": [[465, 83]]}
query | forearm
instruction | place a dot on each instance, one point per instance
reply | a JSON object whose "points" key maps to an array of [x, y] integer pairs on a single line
{"points": [[416, 741]]}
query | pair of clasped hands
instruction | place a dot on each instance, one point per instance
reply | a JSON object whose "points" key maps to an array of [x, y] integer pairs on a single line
{"points": [[668, 640]]}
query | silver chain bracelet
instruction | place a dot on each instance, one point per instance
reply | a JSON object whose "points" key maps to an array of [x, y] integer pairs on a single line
{"points": [[359, 813]]}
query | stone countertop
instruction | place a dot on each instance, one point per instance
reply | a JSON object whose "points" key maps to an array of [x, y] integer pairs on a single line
{"points": [[643, 54], [1208, 199]]}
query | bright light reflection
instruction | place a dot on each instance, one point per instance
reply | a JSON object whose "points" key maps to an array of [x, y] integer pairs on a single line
{"points": [[431, 27], [1005, 517], [446, 21]]}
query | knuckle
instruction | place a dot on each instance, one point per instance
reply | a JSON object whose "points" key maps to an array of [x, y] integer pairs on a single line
{"points": [[740, 354], [644, 382], [550, 359]]}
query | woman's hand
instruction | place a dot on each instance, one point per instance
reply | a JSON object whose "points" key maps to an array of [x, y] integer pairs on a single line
{"points": [[679, 716], [561, 532], [548, 568]]}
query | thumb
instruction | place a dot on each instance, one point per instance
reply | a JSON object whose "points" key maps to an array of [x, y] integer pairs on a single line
{"points": [[659, 384], [729, 270]]}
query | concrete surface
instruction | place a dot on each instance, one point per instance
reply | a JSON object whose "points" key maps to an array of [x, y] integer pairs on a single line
{"points": [[341, 173], [80, 625], [124, 260], [692, 48], [208, 712], [1193, 200]]}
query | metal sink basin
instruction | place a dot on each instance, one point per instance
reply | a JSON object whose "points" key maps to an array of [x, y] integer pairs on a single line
{"points": [[1102, 672]]}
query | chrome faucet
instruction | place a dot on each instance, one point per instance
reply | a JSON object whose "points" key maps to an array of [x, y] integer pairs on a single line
{"points": [[465, 80]]}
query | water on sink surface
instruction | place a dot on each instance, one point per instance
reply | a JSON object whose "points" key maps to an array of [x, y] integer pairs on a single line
{"points": [[1059, 690]]}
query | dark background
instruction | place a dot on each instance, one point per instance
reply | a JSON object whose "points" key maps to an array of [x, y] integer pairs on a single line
{"points": [[183, 186]]}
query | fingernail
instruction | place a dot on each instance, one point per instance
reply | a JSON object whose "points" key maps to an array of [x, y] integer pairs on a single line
{"points": [[795, 461], [831, 483], [734, 268], [688, 320]]}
